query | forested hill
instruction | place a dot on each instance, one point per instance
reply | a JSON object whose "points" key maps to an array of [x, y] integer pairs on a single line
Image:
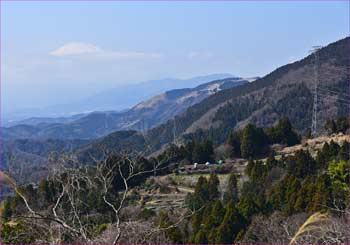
{"points": [[143, 116], [287, 91]]}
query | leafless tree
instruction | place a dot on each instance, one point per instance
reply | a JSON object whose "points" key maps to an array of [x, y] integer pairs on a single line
{"points": [[134, 232], [323, 228], [69, 214], [274, 229]]}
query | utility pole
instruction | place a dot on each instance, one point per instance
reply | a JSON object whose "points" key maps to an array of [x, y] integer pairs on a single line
{"points": [[314, 108]]}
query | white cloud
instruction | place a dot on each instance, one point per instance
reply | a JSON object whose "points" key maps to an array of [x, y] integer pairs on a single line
{"points": [[76, 48], [91, 50]]}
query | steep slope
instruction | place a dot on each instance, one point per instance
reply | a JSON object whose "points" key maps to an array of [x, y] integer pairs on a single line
{"points": [[161, 108], [143, 116], [287, 91]]}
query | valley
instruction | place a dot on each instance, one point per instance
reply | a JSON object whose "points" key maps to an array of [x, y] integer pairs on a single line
{"points": [[232, 160]]}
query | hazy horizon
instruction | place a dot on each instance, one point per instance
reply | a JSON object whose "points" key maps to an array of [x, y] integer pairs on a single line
{"points": [[59, 52]]}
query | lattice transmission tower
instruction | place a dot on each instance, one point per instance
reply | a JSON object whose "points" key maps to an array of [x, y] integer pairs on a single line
{"points": [[316, 82]]}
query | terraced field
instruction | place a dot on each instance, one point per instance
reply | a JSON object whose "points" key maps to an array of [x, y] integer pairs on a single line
{"points": [[180, 187], [177, 186]]}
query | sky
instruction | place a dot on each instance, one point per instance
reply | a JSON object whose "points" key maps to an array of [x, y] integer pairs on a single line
{"points": [[57, 52]]}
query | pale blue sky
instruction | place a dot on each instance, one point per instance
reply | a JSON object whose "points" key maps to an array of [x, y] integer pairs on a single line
{"points": [[56, 52]]}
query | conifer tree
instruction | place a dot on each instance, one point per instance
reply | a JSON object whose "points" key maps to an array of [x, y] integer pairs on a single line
{"points": [[173, 233], [253, 141], [344, 152], [283, 133], [213, 187], [322, 197], [231, 225], [231, 192], [301, 164], [235, 141], [7, 210], [248, 148], [216, 215], [333, 148], [271, 162], [201, 237]]}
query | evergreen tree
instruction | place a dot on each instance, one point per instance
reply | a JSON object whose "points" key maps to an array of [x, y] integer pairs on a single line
{"points": [[216, 215], [333, 149], [258, 171], [231, 192], [271, 162], [208, 150], [213, 187], [231, 225], [340, 192], [253, 141], [196, 221], [247, 207], [342, 125], [7, 210], [344, 152], [235, 141], [173, 233], [200, 197], [201, 237], [331, 126], [198, 154], [339, 171], [249, 167], [189, 148], [283, 133], [203, 152], [322, 198], [301, 164], [292, 187], [305, 196], [323, 155], [248, 147]]}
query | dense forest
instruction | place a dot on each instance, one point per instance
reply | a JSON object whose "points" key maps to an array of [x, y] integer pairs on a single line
{"points": [[281, 93], [103, 202]]}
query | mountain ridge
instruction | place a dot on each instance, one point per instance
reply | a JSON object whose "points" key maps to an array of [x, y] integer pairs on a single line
{"points": [[116, 99], [288, 90], [143, 116]]}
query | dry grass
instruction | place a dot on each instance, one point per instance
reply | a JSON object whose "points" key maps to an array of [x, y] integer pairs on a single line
{"points": [[313, 145], [310, 225]]}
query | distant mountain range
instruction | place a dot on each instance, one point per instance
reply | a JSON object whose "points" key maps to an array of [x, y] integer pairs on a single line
{"points": [[115, 99], [143, 116], [285, 92], [45, 120]]}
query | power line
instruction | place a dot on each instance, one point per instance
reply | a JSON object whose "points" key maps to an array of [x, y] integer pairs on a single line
{"points": [[336, 97], [334, 92], [335, 100]]}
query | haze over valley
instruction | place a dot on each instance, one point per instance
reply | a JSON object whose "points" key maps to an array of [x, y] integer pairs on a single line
{"points": [[175, 122]]}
